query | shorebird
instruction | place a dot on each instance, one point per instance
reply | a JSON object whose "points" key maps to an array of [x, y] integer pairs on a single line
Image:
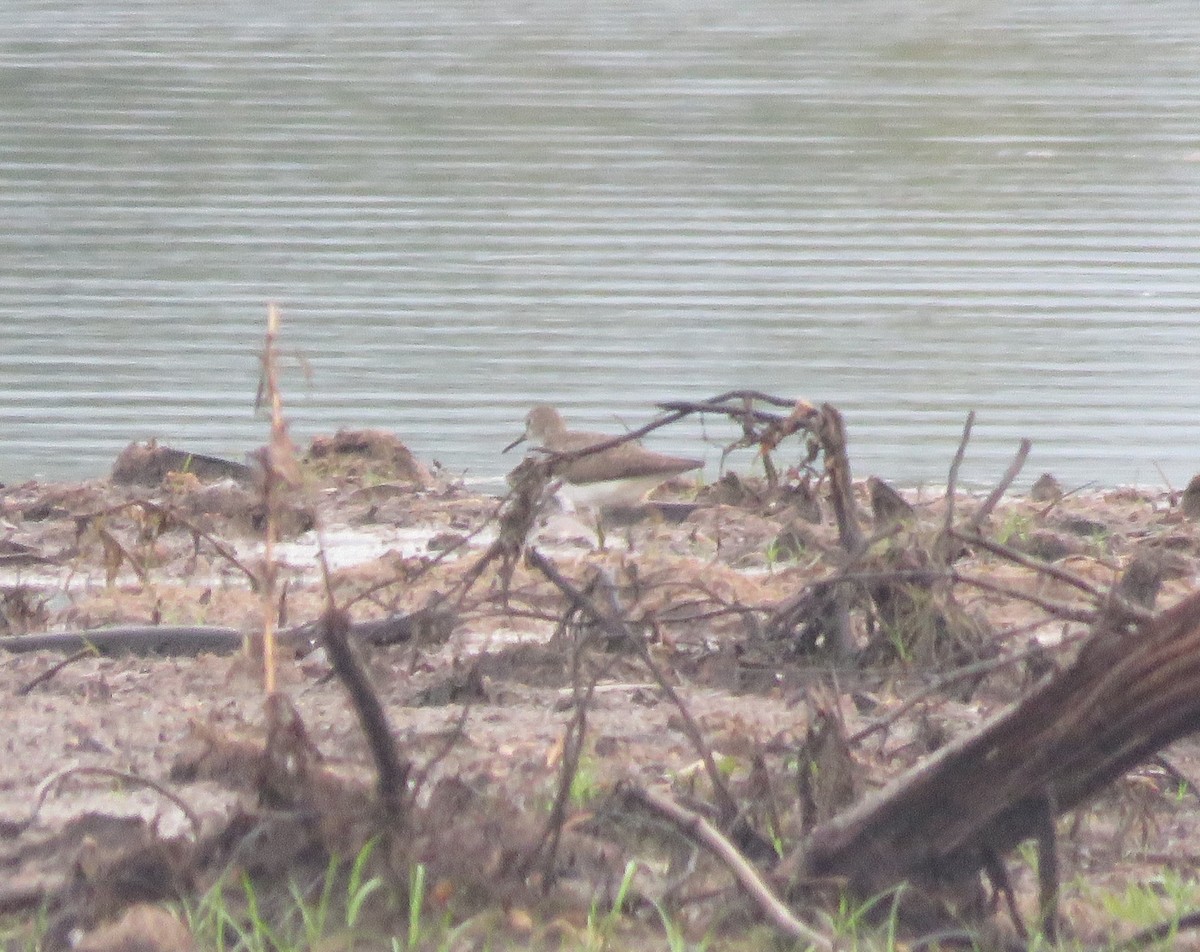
{"points": [[618, 477]]}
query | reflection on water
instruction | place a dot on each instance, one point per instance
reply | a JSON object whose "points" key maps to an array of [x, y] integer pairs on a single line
{"points": [[910, 210]]}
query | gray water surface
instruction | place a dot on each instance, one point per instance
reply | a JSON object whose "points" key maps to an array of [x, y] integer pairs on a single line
{"points": [[909, 209]]}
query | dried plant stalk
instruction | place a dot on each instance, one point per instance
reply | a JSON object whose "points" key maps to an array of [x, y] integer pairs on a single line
{"points": [[279, 467]]}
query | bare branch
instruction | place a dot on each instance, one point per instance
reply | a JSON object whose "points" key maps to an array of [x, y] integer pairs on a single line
{"points": [[54, 780], [952, 478], [1014, 469], [1057, 609], [708, 836]]}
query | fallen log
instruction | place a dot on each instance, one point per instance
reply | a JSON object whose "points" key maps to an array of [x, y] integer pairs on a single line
{"points": [[1133, 689], [131, 640], [425, 626], [147, 464]]}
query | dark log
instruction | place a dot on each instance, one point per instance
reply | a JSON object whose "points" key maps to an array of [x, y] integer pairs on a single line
{"points": [[423, 626], [132, 640], [147, 464]]}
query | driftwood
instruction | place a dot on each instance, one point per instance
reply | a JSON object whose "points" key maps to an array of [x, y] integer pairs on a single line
{"points": [[761, 429], [147, 464], [425, 626], [1133, 689], [821, 612]]}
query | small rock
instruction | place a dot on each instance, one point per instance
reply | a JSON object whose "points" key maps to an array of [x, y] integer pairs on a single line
{"points": [[1142, 579], [887, 506], [1189, 502], [731, 490], [804, 502], [1048, 546], [794, 540], [1083, 526], [445, 540], [1046, 489]]}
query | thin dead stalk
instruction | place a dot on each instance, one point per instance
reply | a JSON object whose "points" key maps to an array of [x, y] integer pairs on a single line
{"points": [[1084, 616], [1028, 561], [280, 470], [956, 463], [1168, 929], [172, 517], [1100, 596], [573, 743], [616, 628], [453, 738], [51, 671], [270, 384]]}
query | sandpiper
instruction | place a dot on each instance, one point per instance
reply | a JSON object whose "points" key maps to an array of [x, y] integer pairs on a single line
{"points": [[618, 477]]}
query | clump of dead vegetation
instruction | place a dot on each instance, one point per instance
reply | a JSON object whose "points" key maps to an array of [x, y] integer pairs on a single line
{"points": [[855, 698]]}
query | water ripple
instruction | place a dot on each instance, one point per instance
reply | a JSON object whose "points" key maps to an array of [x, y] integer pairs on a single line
{"points": [[468, 208]]}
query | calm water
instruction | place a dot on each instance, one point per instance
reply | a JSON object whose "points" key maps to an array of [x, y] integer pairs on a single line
{"points": [[910, 209]]}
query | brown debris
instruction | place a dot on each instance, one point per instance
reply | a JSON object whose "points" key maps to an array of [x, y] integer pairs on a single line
{"points": [[357, 452], [772, 670]]}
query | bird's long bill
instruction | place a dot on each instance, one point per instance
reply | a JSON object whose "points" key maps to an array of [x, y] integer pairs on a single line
{"points": [[517, 442]]}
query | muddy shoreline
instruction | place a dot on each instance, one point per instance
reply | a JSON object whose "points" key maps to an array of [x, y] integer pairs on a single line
{"points": [[484, 700]]}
